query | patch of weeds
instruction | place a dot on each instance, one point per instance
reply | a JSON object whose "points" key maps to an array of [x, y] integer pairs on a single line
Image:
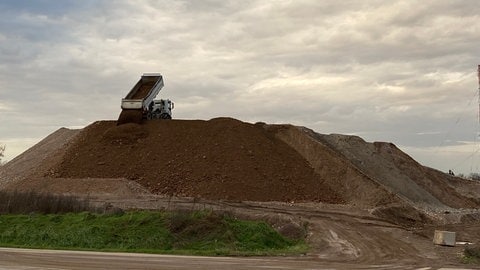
{"points": [[471, 255], [199, 233]]}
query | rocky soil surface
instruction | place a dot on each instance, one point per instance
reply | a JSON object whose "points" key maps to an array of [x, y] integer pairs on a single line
{"points": [[218, 159], [360, 197]]}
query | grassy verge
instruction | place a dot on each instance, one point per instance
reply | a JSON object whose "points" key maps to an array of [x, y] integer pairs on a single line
{"points": [[471, 255], [200, 233]]}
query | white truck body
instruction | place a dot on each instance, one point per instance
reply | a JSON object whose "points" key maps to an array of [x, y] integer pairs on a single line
{"points": [[131, 102], [140, 103]]}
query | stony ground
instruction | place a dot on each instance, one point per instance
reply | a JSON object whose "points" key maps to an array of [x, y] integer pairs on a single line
{"points": [[363, 202]]}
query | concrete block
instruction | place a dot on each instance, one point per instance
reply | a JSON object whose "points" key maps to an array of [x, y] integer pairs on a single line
{"points": [[444, 238]]}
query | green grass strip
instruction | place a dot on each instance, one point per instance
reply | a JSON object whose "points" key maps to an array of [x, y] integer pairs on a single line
{"points": [[199, 233]]}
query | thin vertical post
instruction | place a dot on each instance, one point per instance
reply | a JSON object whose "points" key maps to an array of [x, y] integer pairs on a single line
{"points": [[478, 125]]}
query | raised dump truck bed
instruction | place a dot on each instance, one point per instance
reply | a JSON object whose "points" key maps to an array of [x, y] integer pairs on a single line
{"points": [[137, 103], [144, 92]]}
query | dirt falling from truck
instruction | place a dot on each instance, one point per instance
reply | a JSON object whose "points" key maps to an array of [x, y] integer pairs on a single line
{"points": [[130, 116], [135, 116]]}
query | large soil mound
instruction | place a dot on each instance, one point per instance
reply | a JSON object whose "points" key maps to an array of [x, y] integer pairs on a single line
{"points": [[398, 172], [345, 178], [28, 164], [375, 173], [225, 158], [218, 159]]}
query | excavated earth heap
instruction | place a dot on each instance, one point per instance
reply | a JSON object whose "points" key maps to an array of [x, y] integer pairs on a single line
{"points": [[222, 158]]}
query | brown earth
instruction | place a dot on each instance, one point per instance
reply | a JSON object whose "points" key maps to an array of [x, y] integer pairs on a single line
{"points": [[26, 172], [30, 163], [352, 184], [228, 159], [385, 164], [117, 187], [135, 116], [130, 116], [218, 159], [385, 205], [143, 90]]}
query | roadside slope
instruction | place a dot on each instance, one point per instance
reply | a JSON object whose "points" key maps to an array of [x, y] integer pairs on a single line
{"points": [[48, 150]]}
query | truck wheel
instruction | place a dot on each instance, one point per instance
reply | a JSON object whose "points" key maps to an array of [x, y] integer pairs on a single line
{"points": [[165, 116]]}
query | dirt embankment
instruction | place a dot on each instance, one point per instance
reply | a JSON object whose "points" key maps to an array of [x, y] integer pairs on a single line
{"points": [[228, 159], [340, 174], [28, 164], [380, 176], [385, 164], [218, 159]]}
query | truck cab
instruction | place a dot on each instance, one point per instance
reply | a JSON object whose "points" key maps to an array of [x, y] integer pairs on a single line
{"points": [[160, 109]]}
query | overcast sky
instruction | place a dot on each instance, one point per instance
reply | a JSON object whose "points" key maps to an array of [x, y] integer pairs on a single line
{"points": [[396, 71]]}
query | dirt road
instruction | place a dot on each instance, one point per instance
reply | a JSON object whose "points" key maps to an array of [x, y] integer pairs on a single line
{"points": [[337, 234], [55, 259]]}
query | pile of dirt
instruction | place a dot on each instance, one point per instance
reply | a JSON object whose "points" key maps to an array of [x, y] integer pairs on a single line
{"points": [[130, 116], [356, 187], [218, 159], [403, 215], [379, 174], [224, 158], [28, 164], [468, 188], [90, 187], [135, 116], [398, 173]]}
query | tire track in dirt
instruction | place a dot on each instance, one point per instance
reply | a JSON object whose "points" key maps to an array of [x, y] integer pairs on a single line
{"points": [[338, 235], [230, 162]]}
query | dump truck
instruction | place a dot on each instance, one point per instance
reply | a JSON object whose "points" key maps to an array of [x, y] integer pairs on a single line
{"points": [[140, 104]]}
